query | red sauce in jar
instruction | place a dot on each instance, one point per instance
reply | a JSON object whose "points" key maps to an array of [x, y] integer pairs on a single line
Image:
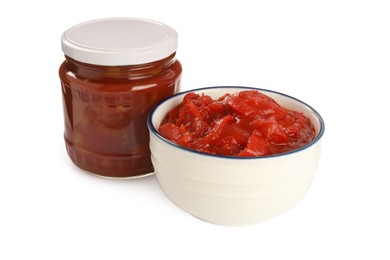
{"points": [[247, 123], [107, 97]]}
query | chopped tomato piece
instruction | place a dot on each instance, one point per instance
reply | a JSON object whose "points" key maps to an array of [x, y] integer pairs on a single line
{"points": [[257, 145]]}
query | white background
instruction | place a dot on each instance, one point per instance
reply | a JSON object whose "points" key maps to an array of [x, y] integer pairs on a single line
{"points": [[334, 55]]}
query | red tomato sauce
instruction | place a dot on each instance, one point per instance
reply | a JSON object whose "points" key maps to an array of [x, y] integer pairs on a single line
{"points": [[105, 110], [247, 123]]}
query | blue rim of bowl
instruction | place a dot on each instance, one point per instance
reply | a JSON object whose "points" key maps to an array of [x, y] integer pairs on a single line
{"points": [[155, 132]]}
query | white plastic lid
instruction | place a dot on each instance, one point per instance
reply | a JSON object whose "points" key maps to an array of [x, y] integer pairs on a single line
{"points": [[119, 41]]}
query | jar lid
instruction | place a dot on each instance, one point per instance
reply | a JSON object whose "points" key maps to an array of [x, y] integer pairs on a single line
{"points": [[119, 41]]}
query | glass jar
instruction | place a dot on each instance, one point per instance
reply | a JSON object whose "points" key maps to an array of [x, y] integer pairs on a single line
{"points": [[115, 71]]}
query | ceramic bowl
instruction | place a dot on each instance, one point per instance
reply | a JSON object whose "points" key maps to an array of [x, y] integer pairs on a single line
{"points": [[233, 191]]}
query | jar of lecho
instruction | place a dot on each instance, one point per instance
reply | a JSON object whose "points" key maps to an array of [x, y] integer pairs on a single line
{"points": [[115, 71]]}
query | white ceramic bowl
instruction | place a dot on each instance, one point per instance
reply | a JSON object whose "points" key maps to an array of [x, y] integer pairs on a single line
{"points": [[233, 190]]}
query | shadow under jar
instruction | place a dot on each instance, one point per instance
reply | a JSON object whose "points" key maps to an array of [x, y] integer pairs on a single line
{"points": [[115, 71]]}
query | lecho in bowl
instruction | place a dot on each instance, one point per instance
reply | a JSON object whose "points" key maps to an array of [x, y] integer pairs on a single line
{"points": [[260, 179]]}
